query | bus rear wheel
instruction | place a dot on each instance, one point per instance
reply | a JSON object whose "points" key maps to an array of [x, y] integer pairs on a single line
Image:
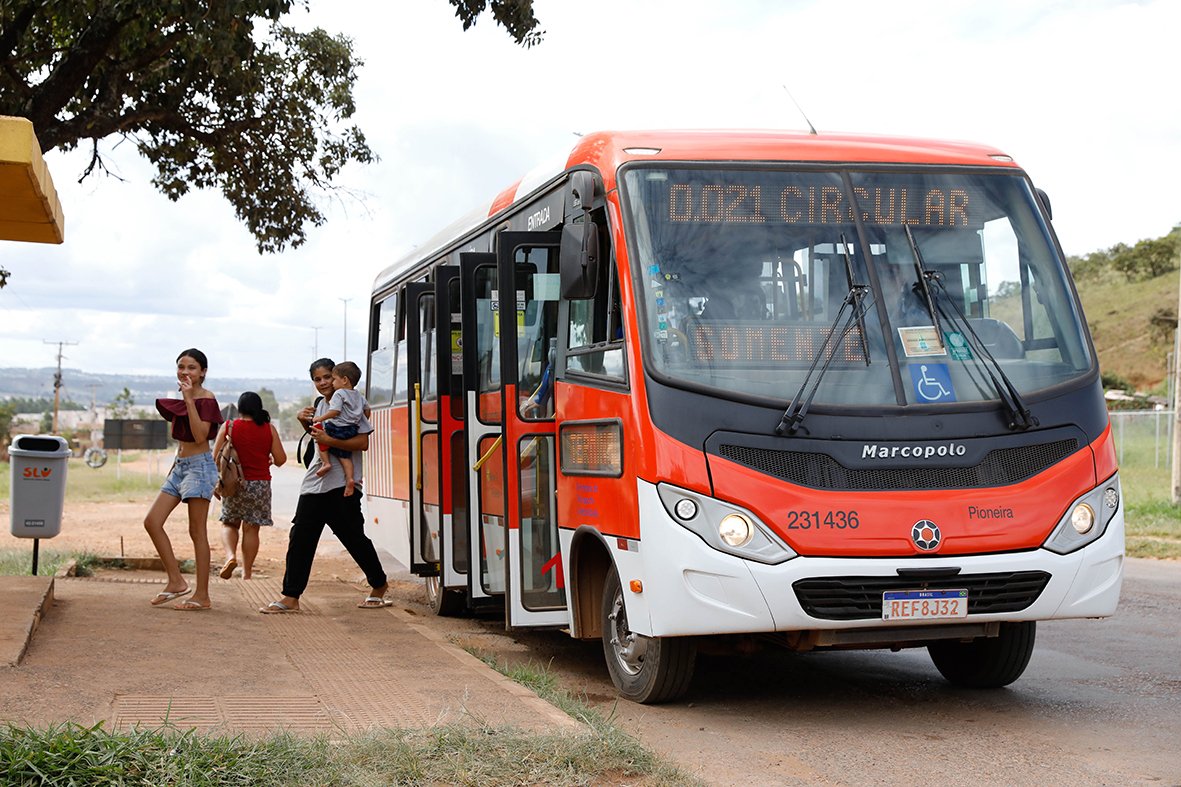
{"points": [[644, 669], [445, 603], [987, 662]]}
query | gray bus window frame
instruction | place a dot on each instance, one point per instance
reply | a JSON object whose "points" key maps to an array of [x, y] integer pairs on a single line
{"points": [[614, 321], [390, 302], [402, 380]]}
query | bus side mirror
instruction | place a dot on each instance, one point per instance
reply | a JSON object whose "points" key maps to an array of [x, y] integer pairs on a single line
{"points": [[579, 252], [1044, 198], [579, 259]]}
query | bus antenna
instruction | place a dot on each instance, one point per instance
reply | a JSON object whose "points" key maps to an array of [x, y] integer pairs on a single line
{"points": [[811, 128]]}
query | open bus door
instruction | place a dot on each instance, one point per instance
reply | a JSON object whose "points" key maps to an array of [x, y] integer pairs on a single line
{"points": [[529, 294], [484, 468], [425, 493], [447, 591]]}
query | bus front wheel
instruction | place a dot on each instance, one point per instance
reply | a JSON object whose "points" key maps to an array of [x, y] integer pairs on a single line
{"points": [[643, 669], [987, 662], [445, 603]]}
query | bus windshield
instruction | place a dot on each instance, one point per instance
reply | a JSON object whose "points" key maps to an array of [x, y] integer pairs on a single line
{"points": [[743, 273]]}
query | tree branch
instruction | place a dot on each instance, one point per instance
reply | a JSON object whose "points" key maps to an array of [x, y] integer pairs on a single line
{"points": [[12, 33], [69, 76]]}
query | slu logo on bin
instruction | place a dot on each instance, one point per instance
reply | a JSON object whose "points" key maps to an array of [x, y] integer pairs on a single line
{"points": [[38, 472]]}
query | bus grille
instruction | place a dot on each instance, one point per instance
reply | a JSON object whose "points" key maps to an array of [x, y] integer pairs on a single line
{"points": [[860, 598], [1000, 467]]}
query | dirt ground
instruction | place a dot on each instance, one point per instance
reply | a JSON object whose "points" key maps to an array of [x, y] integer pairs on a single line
{"points": [[882, 717]]}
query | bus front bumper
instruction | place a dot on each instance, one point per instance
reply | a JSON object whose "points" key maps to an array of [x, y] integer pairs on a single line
{"points": [[689, 588]]}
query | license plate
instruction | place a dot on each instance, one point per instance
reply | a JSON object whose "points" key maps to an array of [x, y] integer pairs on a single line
{"points": [[924, 604]]}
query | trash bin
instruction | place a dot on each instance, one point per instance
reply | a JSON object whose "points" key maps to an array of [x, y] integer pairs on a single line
{"points": [[38, 484]]}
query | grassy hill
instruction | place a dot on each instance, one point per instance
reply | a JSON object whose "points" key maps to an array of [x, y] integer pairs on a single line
{"points": [[1132, 325]]}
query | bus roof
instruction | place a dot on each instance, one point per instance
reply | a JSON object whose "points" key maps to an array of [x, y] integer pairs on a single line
{"points": [[606, 151]]}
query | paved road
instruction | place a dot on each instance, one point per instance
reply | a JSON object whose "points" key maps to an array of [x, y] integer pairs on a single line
{"points": [[1099, 704]]}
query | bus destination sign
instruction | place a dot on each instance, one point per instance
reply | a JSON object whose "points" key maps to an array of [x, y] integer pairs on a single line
{"points": [[903, 205]]}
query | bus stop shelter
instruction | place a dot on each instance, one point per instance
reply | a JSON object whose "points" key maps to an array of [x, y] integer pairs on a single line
{"points": [[29, 208], [30, 212]]}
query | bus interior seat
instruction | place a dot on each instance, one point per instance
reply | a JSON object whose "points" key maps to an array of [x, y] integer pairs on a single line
{"points": [[999, 339]]}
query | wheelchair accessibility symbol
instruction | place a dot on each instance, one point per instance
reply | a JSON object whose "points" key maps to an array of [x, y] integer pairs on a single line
{"points": [[932, 382]]}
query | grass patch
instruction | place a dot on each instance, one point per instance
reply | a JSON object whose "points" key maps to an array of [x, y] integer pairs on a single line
{"points": [[16, 562], [105, 484], [619, 752], [74, 754], [1152, 522]]}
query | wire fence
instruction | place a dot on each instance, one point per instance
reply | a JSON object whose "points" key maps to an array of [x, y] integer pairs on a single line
{"points": [[1143, 438]]}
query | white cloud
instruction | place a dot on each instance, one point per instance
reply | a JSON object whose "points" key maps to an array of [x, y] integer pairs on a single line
{"points": [[1071, 89]]}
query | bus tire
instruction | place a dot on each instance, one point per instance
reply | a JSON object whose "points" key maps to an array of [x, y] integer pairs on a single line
{"points": [[644, 669], [986, 662], [444, 602]]}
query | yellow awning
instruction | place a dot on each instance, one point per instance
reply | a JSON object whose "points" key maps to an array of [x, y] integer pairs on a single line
{"points": [[29, 209]]}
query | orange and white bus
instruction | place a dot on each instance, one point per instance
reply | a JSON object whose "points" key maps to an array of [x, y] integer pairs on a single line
{"points": [[830, 391]]}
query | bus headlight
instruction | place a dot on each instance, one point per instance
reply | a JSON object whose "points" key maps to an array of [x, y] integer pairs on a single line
{"points": [[724, 526], [736, 530], [1083, 518], [1086, 518]]}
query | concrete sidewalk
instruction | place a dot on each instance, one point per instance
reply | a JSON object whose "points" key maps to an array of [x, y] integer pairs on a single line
{"points": [[101, 652]]}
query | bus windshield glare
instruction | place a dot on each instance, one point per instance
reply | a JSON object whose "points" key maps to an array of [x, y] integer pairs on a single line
{"points": [[743, 273]]}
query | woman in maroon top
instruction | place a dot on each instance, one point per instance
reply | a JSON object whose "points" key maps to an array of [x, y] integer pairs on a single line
{"points": [[194, 418], [258, 445]]}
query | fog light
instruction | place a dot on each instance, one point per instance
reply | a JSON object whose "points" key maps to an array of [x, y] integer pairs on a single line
{"points": [[1110, 497], [685, 509], [1082, 518], [736, 530]]}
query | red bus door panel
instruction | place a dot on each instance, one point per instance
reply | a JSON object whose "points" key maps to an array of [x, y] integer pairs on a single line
{"points": [[452, 480], [484, 463], [529, 294], [425, 489]]}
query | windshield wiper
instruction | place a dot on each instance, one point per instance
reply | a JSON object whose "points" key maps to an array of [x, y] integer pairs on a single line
{"points": [[923, 287], [1020, 417], [793, 416]]}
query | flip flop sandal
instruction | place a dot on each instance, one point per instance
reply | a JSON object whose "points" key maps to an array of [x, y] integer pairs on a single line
{"points": [[164, 596], [227, 570], [279, 608], [375, 602], [188, 605]]}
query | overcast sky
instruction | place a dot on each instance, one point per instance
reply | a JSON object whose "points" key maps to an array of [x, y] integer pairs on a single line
{"points": [[1078, 92]]}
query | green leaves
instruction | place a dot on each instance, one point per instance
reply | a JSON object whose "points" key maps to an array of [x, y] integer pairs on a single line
{"points": [[215, 94]]}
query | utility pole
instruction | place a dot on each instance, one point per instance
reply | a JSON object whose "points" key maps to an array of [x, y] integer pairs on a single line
{"points": [[57, 379], [316, 342], [345, 301], [1176, 401]]}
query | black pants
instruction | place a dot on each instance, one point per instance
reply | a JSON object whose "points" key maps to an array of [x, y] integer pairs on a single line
{"points": [[343, 516]]}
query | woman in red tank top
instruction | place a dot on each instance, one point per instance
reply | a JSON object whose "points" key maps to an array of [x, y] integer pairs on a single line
{"points": [[258, 445]]}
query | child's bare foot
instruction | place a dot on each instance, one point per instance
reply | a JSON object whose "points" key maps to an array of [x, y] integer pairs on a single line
{"points": [[325, 469], [349, 486]]}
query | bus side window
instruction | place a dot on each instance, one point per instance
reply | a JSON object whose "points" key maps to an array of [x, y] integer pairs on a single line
{"points": [[401, 373], [382, 359], [595, 343]]}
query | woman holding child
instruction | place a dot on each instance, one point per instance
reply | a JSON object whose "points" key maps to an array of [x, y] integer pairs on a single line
{"points": [[194, 419], [257, 442]]}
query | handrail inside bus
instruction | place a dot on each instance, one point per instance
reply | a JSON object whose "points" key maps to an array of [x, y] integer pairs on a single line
{"points": [[488, 454], [418, 435]]}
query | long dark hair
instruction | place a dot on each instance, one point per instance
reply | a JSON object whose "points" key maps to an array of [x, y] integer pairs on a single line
{"points": [[250, 406]]}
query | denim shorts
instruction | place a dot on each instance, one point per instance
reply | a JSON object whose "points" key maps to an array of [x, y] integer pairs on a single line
{"points": [[191, 476], [340, 432]]}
